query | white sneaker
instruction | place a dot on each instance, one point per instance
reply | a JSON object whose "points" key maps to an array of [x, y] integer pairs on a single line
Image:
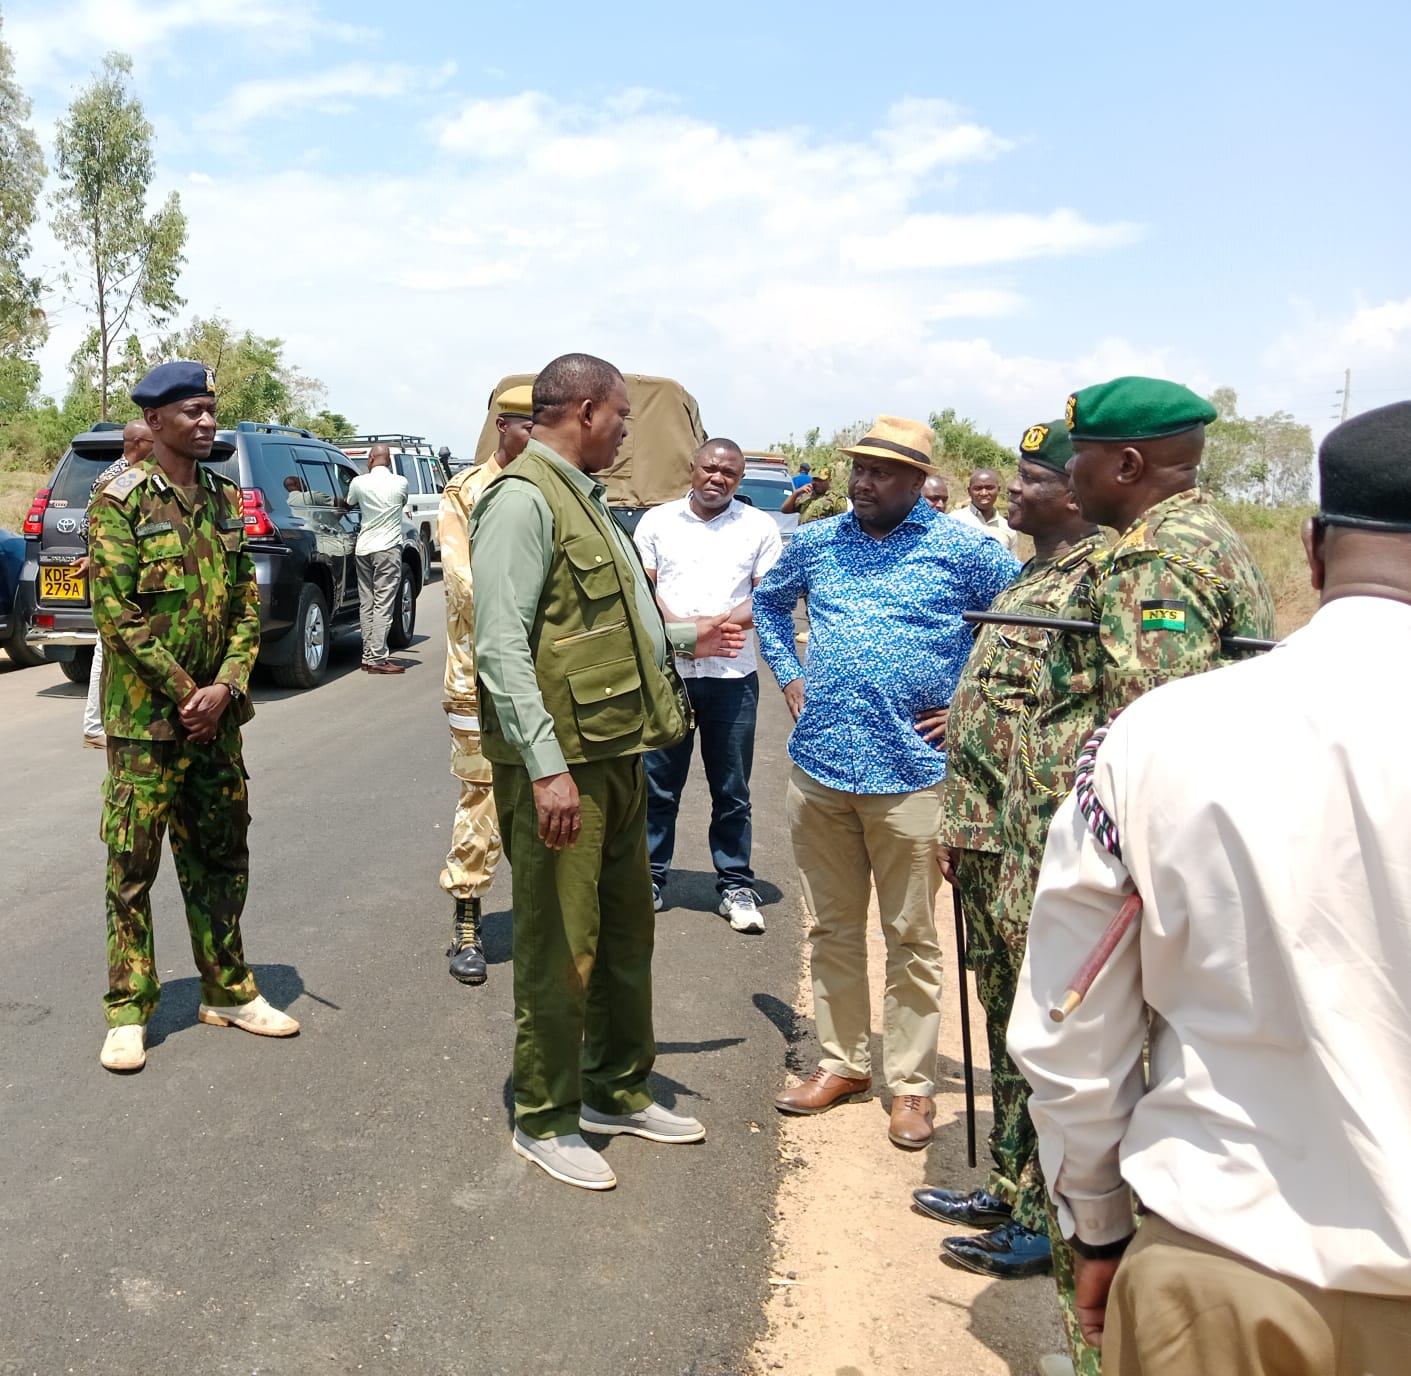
{"points": [[1056, 1364], [741, 906], [658, 902], [655, 1123], [568, 1158], [256, 1016], [124, 1048]]}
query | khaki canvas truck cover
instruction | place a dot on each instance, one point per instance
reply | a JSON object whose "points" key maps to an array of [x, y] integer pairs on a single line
{"points": [[654, 463]]}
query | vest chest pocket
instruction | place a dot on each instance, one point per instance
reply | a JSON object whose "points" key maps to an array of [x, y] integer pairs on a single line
{"points": [[607, 700], [161, 563], [592, 564]]}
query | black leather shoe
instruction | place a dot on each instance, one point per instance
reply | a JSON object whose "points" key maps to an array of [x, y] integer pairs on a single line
{"points": [[1009, 1252], [973, 1208], [467, 952]]}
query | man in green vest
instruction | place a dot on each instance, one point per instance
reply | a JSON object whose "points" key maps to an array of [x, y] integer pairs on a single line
{"points": [[576, 684]]}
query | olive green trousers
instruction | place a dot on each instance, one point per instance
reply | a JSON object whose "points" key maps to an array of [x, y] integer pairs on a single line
{"points": [[584, 929]]}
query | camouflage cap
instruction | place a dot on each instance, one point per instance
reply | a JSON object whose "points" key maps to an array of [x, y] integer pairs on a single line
{"points": [[1135, 408], [1047, 445]]}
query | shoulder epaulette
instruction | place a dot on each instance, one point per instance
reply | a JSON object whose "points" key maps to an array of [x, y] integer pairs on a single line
{"points": [[123, 485]]}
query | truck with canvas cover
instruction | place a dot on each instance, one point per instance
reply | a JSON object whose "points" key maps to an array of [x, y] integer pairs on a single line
{"points": [[654, 463]]}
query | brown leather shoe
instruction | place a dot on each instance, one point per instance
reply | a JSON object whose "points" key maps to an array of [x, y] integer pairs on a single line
{"points": [[911, 1120], [386, 667], [821, 1091]]}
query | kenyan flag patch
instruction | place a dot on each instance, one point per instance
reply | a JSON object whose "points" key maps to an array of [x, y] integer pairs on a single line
{"points": [[1163, 616]]}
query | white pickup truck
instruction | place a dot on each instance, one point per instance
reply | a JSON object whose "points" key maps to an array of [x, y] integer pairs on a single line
{"points": [[415, 460]]}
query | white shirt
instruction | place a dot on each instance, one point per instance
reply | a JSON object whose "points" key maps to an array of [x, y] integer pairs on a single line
{"points": [[381, 495], [997, 528], [1264, 813], [704, 568]]}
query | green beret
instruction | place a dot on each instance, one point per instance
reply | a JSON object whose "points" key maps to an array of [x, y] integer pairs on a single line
{"points": [[1135, 408], [1048, 445]]}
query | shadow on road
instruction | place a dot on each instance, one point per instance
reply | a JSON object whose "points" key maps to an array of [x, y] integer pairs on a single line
{"points": [[280, 984]]}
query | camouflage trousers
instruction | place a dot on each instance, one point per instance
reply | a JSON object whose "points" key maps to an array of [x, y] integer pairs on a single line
{"points": [[1015, 1177], [198, 791], [1087, 1360], [475, 835]]}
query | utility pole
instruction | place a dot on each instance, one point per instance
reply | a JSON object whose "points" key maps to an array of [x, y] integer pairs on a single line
{"points": [[1346, 391]]}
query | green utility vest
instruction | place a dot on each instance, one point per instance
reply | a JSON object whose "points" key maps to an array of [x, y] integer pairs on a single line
{"points": [[593, 656]]}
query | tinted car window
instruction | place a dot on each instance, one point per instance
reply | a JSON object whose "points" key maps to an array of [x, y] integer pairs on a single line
{"points": [[408, 466], [73, 483], [767, 493], [276, 475]]}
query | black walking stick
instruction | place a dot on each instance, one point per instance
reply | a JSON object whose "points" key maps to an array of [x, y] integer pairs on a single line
{"points": [[965, 1026]]}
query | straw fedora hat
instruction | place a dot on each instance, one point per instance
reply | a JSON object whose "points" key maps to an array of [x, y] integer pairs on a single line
{"points": [[894, 437]]}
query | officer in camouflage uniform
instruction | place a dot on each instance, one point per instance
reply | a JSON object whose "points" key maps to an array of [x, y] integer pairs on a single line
{"points": [[1175, 581], [988, 734], [475, 835], [818, 500], [175, 601]]}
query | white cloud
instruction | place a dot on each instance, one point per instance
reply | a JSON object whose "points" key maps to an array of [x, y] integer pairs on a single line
{"points": [[50, 39], [960, 241], [333, 90], [527, 227]]}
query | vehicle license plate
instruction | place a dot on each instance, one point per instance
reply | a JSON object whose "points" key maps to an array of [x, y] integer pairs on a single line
{"points": [[61, 583]]}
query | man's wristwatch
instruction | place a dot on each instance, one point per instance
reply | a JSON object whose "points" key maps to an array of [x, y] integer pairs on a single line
{"points": [[236, 695], [1100, 1251]]}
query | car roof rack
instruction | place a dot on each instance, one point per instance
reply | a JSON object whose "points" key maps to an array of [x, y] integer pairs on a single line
{"points": [[343, 440], [269, 428]]}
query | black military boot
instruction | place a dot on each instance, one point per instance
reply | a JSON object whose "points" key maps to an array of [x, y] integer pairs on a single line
{"points": [[467, 953]]}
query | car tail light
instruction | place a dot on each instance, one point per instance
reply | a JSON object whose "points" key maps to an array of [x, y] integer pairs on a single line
{"points": [[34, 522], [43, 622], [253, 509]]}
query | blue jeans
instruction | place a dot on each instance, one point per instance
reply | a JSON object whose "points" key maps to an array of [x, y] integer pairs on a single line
{"points": [[725, 717]]}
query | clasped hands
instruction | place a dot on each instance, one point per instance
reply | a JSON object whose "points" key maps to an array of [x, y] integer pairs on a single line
{"points": [[201, 710]]}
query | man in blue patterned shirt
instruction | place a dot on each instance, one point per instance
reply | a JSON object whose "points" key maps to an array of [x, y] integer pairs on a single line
{"points": [[886, 584]]}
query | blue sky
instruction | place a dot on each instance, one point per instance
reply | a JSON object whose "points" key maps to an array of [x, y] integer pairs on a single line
{"points": [[808, 213]]}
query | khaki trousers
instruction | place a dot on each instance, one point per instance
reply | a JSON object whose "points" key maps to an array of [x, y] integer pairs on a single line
{"points": [[1180, 1306], [843, 844], [475, 834]]}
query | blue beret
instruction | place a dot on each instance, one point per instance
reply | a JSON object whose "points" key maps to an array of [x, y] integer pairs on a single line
{"points": [[169, 382]]}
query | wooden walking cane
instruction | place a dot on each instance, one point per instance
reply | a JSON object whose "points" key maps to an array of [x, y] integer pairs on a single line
{"points": [[965, 1026]]}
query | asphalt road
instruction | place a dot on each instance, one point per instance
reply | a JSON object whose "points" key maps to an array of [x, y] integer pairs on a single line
{"points": [[347, 1200]]}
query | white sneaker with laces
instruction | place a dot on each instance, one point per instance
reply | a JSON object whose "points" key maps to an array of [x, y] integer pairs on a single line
{"points": [[568, 1158], [655, 1123], [741, 906]]}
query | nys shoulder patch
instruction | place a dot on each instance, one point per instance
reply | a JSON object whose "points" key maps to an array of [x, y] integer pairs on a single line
{"points": [[1164, 615]]}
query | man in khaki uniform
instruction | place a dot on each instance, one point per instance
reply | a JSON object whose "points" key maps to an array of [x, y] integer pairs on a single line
{"points": [[475, 836]]}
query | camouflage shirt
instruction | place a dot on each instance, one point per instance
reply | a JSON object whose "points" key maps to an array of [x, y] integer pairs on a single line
{"points": [[818, 505], [990, 711], [174, 597], [1178, 579], [1173, 583]]}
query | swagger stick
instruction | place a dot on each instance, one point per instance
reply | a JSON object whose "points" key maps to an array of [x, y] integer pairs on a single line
{"points": [[965, 1026], [1229, 644], [1079, 985]]}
